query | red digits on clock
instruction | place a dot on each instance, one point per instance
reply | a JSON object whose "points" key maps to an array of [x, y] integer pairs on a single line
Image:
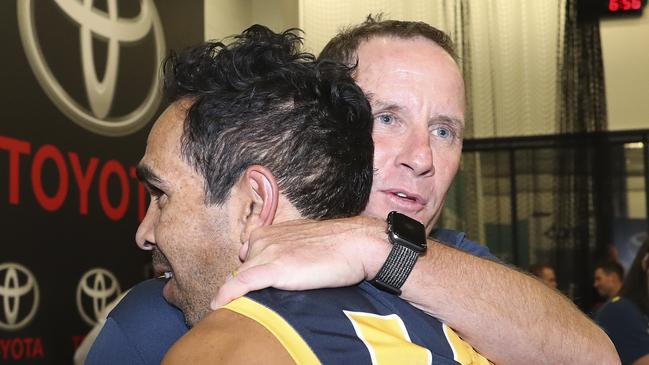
{"points": [[616, 5], [626, 4]]}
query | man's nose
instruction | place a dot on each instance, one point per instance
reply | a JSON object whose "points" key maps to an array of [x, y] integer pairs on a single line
{"points": [[417, 154], [145, 236]]}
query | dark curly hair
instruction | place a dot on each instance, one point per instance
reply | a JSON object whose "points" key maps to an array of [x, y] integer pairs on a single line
{"points": [[260, 100], [344, 46]]}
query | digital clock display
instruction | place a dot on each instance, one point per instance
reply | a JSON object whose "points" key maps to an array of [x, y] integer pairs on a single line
{"points": [[624, 6]]}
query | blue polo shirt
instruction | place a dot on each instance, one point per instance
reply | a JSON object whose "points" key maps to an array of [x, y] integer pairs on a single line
{"points": [[627, 326]]}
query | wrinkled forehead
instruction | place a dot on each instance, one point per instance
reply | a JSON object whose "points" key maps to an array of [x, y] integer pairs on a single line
{"points": [[380, 55], [412, 72], [389, 45]]}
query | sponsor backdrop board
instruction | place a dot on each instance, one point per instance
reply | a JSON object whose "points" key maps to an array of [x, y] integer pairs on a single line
{"points": [[629, 235], [80, 89]]}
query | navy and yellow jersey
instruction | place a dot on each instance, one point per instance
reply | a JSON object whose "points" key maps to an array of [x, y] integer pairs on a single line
{"points": [[354, 325]]}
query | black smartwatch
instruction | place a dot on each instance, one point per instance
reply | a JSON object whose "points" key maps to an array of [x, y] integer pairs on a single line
{"points": [[408, 239]]}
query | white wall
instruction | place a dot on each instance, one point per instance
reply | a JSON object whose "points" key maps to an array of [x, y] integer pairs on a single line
{"points": [[625, 42], [278, 15], [625, 48], [227, 17]]}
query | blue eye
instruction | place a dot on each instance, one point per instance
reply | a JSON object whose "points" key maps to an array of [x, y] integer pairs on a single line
{"points": [[384, 118], [443, 132]]}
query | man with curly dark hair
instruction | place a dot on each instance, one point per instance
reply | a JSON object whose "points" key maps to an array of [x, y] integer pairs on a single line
{"points": [[320, 174], [256, 133]]}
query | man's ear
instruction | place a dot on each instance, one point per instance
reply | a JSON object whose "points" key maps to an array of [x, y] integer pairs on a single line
{"points": [[645, 262], [262, 197]]}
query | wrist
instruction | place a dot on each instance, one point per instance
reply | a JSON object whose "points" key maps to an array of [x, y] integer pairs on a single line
{"points": [[408, 239], [374, 247]]}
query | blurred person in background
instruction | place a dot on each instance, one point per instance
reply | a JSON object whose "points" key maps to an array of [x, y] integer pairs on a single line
{"points": [[625, 318], [608, 278], [545, 273]]}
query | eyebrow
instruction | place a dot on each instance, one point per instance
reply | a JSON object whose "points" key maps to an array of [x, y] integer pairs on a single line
{"points": [[379, 105], [146, 175], [456, 122]]}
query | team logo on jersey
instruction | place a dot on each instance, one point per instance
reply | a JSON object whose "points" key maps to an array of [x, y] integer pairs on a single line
{"points": [[116, 31], [19, 296], [97, 288]]}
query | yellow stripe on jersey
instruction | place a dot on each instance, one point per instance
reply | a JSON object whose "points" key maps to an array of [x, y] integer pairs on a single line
{"points": [[463, 353], [387, 339], [273, 322]]}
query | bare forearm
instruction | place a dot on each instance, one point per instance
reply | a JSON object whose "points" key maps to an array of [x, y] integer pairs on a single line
{"points": [[506, 315]]}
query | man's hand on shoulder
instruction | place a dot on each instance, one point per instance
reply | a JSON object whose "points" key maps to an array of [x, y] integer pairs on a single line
{"points": [[305, 254], [228, 338]]}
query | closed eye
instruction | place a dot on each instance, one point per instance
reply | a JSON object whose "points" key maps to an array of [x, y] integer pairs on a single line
{"points": [[150, 180], [154, 191]]}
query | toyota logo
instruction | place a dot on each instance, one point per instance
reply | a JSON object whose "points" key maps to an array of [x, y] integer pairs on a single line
{"points": [[116, 31], [97, 288], [19, 296]]}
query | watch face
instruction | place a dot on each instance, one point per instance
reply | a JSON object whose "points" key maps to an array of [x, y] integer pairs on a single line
{"points": [[407, 231]]}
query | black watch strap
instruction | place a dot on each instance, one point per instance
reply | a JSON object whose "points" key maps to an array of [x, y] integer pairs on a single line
{"points": [[408, 239], [396, 269]]}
